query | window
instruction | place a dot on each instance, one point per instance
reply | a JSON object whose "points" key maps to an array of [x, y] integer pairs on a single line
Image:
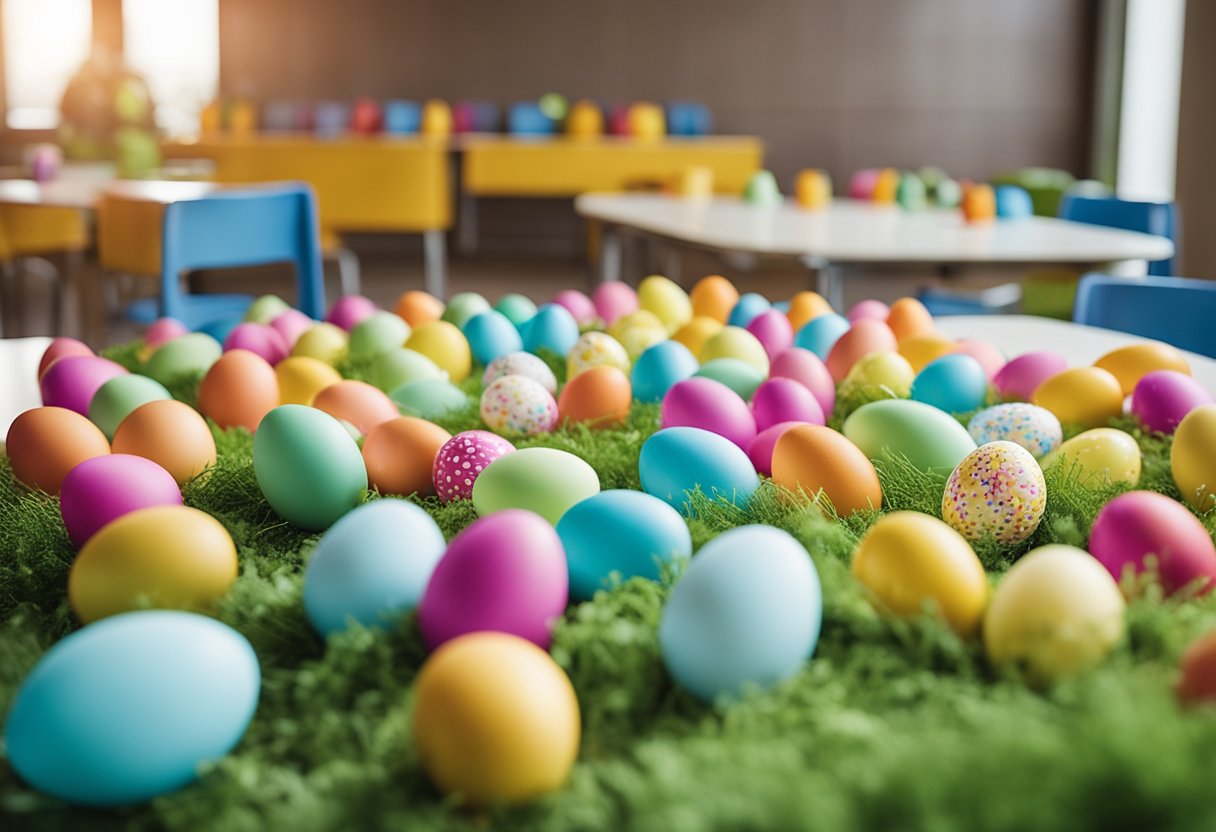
{"points": [[45, 42], [175, 46]]}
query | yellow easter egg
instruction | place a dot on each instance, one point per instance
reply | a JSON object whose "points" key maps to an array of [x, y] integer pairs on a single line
{"points": [[1098, 457], [813, 189], [445, 344], [887, 370], [640, 319], [886, 186], [909, 560], [1131, 363], [996, 491], [1056, 613], [805, 307], [595, 349], [696, 332], [324, 342], [713, 296], [922, 349], [735, 342], [1085, 396], [301, 378], [667, 301], [495, 719], [1193, 457], [167, 557]]}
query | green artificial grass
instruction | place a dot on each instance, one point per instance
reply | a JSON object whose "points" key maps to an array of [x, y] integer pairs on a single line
{"points": [[894, 724]]}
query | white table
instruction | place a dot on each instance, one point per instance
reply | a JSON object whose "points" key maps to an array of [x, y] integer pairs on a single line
{"points": [[19, 359], [851, 233]]}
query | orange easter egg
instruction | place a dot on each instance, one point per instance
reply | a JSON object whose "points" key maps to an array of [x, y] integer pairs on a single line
{"points": [[599, 397], [908, 317], [1085, 396], [171, 434], [713, 297], [45, 443], [810, 458], [400, 455], [864, 337], [238, 390], [979, 203], [696, 332], [806, 306], [417, 307], [358, 403], [920, 350]]}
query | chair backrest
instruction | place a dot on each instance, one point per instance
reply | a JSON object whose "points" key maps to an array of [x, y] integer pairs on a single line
{"points": [[1146, 217], [244, 228], [1176, 310]]}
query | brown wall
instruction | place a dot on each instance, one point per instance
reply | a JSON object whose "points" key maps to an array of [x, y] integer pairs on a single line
{"points": [[1197, 144]]}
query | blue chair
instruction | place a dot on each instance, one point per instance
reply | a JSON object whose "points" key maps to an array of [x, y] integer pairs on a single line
{"points": [[1176, 310], [526, 118], [687, 118], [995, 300], [246, 227], [1146, 217]]}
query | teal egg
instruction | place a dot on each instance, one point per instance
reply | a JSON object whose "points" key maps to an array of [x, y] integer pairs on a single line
{"points": [[820, 333], [516, 308], [377, 334], [953, 383], [931, 439], [737, 374], [309, 468], [552, 328], [429, 398], [392, 369], [132, 707], [746, 613], [749, 306], [265, 309], [491, 334], [542, 480], [464, 305], [676, 462], [627, 533], [115, 399], [911, 193], [661, 366], [187, 355]]}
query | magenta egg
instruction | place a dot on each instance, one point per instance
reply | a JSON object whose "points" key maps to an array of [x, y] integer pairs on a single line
{"points": [[613, 300], [1161, 398], [988, 356], [506, 572], [291, 325], [784, 400], [261, 339], [577, 304], [772, 329], [348, 310], [105, 488], [72, 380], [163, 330], [710, 405], [61, 348], [808, 369], [1020, 377], [462, 459], [874, 310], [1141, 524], [760, 451]]}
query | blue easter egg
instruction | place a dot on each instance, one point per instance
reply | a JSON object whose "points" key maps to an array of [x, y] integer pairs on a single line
{"points": [[371, 566], [491, 334], [820, 333], [782, 306], [626, 532], [1013, 202], [677, 461], [131, 707], [552, 328], [661, 366], [221, 329], [747, 612], [746, 308], [953, 383]]}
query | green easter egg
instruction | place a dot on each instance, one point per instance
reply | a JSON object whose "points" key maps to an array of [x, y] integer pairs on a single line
{"points": [[735, 373], [376, 335], [429, 398], [931, 439], [463, 306], [948, 194], [911, 193], [516, 308], [392, 369], [762, 189], [265, 309], [119, 396], [189, 354], [543, 480]]}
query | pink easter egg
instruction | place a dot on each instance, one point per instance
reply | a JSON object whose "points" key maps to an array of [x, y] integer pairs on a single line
{"points": [[348, 310], [105, 488], [261, 339], [710, 405], [1139, 524], [163, 330], [505, 573], [462, 459], [863, 182], [1161, 398], [1021, 376], [772, 329], [785, 400], [577, 304], [808, 369], [988, 356], [875, 310], [61, 348], [614, 300], [72, 381], [760, 451], [291, 325]]}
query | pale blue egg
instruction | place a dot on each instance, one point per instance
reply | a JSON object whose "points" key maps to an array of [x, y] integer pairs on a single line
{"points": [[953, 383], [552, 328], [820, 333], [746, 612], [661, 366], [625, 532], [746, 308], [491, 334], [130, 707], [677, 461]]}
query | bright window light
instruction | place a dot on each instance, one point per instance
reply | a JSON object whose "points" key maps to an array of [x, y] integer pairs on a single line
{"points": [[45, 42], [175, 46]]}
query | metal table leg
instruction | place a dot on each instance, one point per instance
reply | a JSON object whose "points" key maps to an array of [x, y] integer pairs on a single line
{"points": [[610, 254], [434, 247], [829, 282]]}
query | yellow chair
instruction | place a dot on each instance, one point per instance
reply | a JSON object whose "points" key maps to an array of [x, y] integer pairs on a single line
{"points": [[28, 235]]}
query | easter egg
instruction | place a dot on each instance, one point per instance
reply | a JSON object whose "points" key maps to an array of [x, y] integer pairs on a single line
{"points": [[429, 398], [577, 304], [552, 328], [505, 572], [596, 349], [262, 340], [445, 345], [810, 458], [372, 566], [400, 455], [1139, 525], [953, 383], [45, 443], [518, 406], [324, 342], [377, 334], [291, 325], [660, 367], [396, 367], [72, 381], [921, 350], [676, 462], [107, 487], [356, 402], [61, 348], [308, 467], [909, 561], [624, 533], [115, 400], [1085, 396], [132, 707], [614, 300], [929, 438], [713, 296], [734, 342], [760, 451], [491, 334], [301, 378], [772, 330], [598, 397], [1021, 376], [515, 308], [1197, 682], [989, 357], [696, 332], [416, 307], [542, 480], [709, 405], [1192, 457], [806, 368], [747, 308], [746, 613], [166, 556], [1131, 363], [462, 459], [521, 364], [238, 390], [874, 310], [171, 434], [805, 307], [1098, 457], [889, 372], [266, 308], [186, 356], [666, 300], [784, 400], [495, 720], [640, 319], [1163, 398], [1056, 613], [997, 491], [908, 317], [462, 307], [866, 336], [740, 376], [1034, 428]]}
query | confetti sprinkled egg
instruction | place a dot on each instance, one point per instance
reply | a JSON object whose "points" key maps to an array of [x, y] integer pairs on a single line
{"points": [[996, 490], [1034, 428], [594, 349], [521, 364], [462, 458], [518, 406]]}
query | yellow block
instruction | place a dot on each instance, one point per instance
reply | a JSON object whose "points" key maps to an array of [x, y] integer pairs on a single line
{"points": [[27, 230]]}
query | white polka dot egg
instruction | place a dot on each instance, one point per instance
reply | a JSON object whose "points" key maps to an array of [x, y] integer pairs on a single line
{"points": [[521, 364], [594, 349], [518, 406], [998, 491], [462, 459], [1034, 428]]}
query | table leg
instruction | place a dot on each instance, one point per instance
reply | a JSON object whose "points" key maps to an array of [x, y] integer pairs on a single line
{"points": [[610, 254], [671, 262], [1126, 268], [435, 253], [466, 223], [829, 282]]}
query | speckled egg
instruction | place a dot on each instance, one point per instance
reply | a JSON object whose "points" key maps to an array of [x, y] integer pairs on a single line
{"points": [[521, 364], [1034, 428], [595, 349], [462, 459], [518, 406], [998, 491]]}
